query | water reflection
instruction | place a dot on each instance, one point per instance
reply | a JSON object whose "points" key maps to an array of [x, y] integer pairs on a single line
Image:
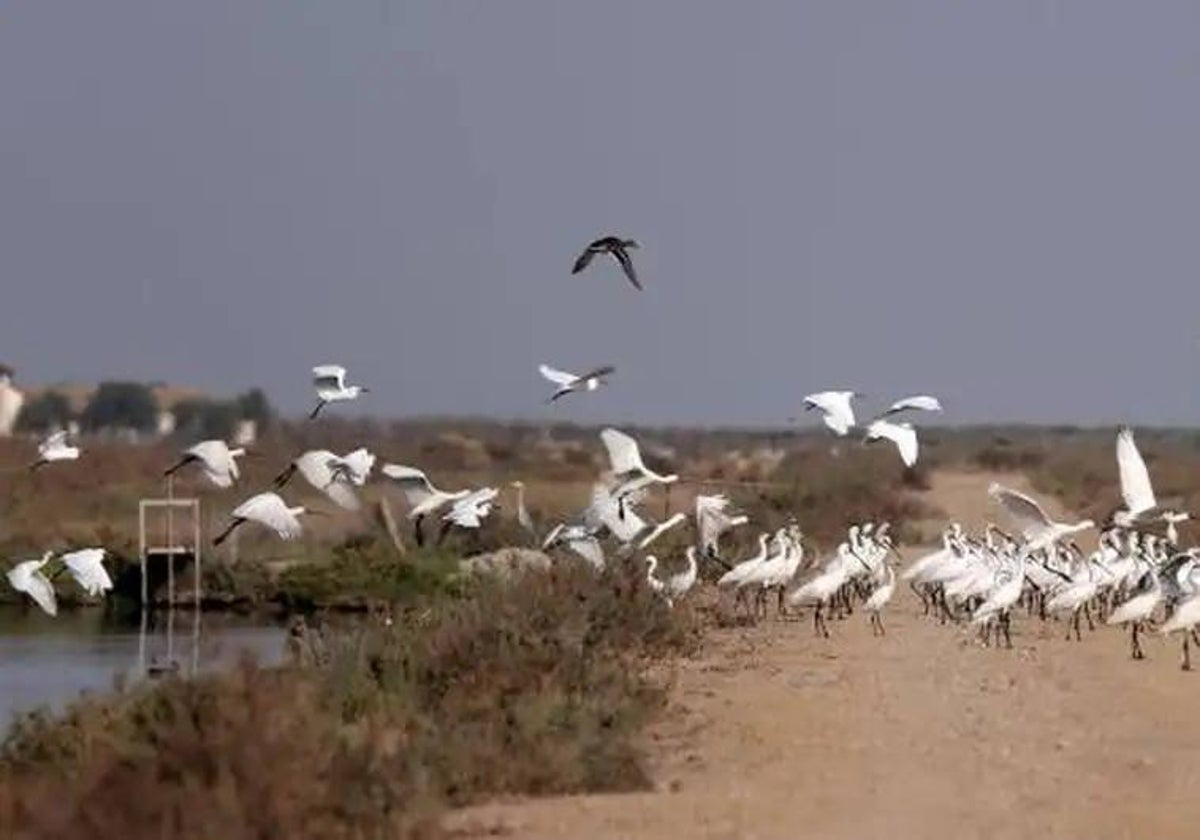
{"points": [[49, 661]]}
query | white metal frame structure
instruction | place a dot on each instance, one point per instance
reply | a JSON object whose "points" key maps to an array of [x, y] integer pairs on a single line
{"points": [[171, 547]]}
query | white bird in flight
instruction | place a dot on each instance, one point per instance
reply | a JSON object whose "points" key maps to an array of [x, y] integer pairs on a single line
{"points": [[917, 402], [835, 408], [712, 520], [270, 511], [420, 494], [28, 577], [473, 508], [327, 473], [330, 384], [629, 473], [217, 461], [87, 567], [569, 383], [1137, 492], [1038, 529], [901, 434], [55, 448]]}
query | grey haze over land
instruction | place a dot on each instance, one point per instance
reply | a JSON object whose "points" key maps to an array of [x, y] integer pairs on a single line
{"points": [[998, 203]]}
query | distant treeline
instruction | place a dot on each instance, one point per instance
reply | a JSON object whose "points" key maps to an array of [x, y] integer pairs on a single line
{"points": [[132, 406]]}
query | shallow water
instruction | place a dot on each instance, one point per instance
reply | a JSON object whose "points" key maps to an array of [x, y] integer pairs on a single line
{"points": [[50, 661]]}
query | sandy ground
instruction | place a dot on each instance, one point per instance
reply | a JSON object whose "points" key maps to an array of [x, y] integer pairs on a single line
{"points": [[774, 733]]}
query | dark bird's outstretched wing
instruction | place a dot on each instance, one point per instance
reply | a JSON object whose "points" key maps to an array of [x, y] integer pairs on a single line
{"points": [[622, 257], [584, 259]]}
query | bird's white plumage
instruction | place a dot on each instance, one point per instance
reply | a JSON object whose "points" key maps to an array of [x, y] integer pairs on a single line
{"points": [[359, 464], [1136, 490], [321, 469], [835, 409], [471, 509], [87, 567], [420, 494], [329, 378], [269, 510], [901, 434], [558, 377], [217, 461], [713, 519], [56, 448], [628, 470], [917, 402], [28, 577]]}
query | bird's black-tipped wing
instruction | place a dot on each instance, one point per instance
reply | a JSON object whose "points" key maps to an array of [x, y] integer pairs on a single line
{"points": [[622, 256], [603, 370], [584, 259]]}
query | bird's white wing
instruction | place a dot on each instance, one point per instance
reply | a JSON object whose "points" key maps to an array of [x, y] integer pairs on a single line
{"points": [[901, 434], [836, 408], [623, 452], [413, 483], [329, 376], [269, 510], [1027, 513], [589, 549], [558, 377], [341, 494], [27, 577], [1136, 489], [56, 440], [359, 462], [605, 510], [469, 511], [87, 567], [918, 402]]}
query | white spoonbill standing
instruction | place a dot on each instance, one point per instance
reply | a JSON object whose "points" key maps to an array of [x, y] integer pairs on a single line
{"points": [[55, 448], [270, 511], [569, 383], [217, 461], [329, 381]]}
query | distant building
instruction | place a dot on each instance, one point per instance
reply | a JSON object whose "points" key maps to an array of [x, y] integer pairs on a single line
{"points": [[11, 401]]}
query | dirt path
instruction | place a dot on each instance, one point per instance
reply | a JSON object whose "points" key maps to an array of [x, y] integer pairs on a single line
{"points": [[774, 733]]}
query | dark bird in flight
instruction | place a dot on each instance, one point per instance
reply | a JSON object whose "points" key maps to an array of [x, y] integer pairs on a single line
{"points": [[616, 247]]}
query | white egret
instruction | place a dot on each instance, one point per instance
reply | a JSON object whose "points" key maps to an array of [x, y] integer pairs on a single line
{"points": [[901, 434], [1039, 530], [712, 520], [330, 384], [270, 511], [879, 598], [569, 383], [629, 473], [523, 517], [918, 402], [87, 567], [678, 585], [55, 448], [422, 497], [325, 472], [217, 461], [835, 409], [28, 577], [469, 511]]}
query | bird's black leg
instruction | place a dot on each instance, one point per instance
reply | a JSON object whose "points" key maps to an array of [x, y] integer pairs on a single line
{"points": [[418, 531]]}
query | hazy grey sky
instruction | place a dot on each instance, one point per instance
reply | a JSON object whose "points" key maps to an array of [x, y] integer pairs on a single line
{"points": [[994, 202]]}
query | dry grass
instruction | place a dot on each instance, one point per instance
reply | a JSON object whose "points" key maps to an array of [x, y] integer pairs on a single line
{"points": [[537, 687]]}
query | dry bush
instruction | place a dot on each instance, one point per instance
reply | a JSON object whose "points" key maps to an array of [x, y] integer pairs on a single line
{"points": [[532, 687]]}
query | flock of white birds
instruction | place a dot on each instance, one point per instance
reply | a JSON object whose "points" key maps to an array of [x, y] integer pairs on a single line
{"points": [[1130, 577]]}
